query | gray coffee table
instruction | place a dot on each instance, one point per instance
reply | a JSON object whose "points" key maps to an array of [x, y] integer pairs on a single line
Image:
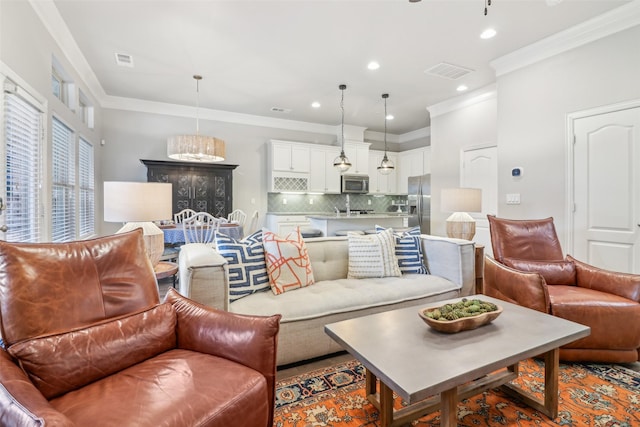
{"points": [[432, 370]]}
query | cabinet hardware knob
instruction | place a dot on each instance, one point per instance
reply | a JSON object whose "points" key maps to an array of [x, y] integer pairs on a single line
{"points": [[4, 228]]}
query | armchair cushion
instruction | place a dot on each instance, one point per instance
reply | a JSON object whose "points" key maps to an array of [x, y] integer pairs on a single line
{"points": [[57, 364], [553, 272]]}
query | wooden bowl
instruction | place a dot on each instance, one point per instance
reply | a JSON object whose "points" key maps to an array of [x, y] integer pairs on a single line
{"points": [[463, 324]]}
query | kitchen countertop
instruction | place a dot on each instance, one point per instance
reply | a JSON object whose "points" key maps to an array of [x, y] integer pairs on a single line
{"points": [[344, 216]]}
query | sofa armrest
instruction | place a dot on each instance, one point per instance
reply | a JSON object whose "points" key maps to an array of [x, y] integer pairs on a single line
{"points": [[621, 284], [21, 403], [519, 287], [248, 340], [204, 275], [453, 259]]}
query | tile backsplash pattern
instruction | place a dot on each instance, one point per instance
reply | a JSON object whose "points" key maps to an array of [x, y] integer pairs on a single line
{"points": [[301, 203]]}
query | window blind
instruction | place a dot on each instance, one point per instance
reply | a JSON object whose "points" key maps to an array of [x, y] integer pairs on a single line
{"points": [[23, 137], [87, 189], [63, 218]]}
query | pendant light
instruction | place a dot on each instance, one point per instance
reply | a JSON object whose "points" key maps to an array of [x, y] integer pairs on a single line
{"points": [[196, 148], [341, 162], [386, 166]]}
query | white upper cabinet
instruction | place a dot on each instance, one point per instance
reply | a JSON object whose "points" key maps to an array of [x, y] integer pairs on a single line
{"points": [[323, 176], [412, 163], [289, 156], [358, 155], [288, 166], [378, 183]]}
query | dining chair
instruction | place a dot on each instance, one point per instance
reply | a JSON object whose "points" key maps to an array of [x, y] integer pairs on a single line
{"points": [[182, 215], [238, 216], [253, 224], [201, 227]]}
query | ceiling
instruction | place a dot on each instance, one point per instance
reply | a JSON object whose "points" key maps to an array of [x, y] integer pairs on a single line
{"points": [[255, 55]]}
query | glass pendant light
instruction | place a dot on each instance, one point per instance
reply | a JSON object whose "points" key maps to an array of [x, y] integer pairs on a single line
{"points": [[386, 166], [341, 162]]}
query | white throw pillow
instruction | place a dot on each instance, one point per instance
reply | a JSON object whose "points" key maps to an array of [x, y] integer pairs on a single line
{"points": [[372, 255]]}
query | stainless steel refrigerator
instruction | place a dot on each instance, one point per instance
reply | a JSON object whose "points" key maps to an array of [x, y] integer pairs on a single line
{"points": [[420, 202]]}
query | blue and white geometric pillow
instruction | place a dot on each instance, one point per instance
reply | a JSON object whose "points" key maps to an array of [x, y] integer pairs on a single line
{"points": [[409, 251], [247, 266]]}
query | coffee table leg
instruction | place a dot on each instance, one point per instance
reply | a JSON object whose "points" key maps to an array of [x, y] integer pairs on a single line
{"points": [[386, 405], [449, 408], [548, 406]]}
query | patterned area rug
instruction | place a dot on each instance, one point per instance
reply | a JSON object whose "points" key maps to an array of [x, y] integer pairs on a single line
{"points": [[591, 395]]}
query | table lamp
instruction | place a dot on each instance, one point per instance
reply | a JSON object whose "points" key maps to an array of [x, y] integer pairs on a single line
{"points": [[137, 204], [460, 201]]}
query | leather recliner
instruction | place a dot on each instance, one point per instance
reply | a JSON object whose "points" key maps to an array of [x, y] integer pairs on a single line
{"points": [[529, 269], [88, 343]]}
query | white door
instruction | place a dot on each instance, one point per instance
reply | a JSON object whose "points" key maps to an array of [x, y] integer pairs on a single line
{"points": [[606, 179], [480, 170]]}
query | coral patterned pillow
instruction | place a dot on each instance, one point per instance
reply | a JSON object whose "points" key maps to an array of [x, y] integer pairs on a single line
{"points": [[287, 261]]}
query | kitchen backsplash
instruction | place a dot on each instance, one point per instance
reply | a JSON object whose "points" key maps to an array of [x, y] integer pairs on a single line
{"points": [[313, 203]]}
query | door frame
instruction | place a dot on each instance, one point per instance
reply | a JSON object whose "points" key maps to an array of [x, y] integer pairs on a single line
{"points": [[571, 140]]}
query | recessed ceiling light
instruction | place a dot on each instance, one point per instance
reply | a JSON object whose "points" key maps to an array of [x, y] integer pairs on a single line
{"points": [[461, 88], [488, 33], [315, 104], [373, 65], [390, 117]]}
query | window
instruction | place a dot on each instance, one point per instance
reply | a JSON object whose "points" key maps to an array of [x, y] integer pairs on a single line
{"points": [[87, 189], [85, 109], [63, 215], [23, 153], [62, 85]]}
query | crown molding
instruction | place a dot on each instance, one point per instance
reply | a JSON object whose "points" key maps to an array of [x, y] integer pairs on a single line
{"points": [[463, 101], [53, 22], [143, 106], [613, 21]]}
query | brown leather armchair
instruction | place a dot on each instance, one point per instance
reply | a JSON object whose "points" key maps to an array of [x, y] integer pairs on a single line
{"points": [[88, 343], [530, 270]]}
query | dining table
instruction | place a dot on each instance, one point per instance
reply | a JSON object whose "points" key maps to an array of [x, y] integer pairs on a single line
{"points": [[174, 234]]}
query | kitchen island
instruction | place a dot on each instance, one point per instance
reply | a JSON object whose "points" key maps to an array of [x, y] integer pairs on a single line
{"points": [[329, 224]]}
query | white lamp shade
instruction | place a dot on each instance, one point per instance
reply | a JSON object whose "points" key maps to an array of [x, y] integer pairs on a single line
{"points": [[461, 200], [136, 201]]}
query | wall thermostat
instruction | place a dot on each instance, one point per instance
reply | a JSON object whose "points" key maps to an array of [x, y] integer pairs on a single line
{"points": [[516, 172]]}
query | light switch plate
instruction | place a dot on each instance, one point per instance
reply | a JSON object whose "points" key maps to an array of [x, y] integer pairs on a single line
{"points": [[513, 198]]}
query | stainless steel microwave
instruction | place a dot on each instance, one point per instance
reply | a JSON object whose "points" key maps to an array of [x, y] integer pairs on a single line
{"points": [[355, 184]]}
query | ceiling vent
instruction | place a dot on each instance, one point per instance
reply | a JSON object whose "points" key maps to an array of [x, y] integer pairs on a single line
{"points": [[124, 60], [448, 71], [280, 110]]}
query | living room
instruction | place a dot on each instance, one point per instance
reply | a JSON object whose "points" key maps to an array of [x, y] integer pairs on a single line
{"points": [[523, 114], [527, 112]]}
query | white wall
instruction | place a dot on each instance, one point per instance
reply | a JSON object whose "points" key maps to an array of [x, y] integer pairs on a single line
{"points": [[533, 103], [472, 125]]}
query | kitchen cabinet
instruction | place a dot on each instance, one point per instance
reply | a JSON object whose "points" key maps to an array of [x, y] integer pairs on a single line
{"points": [[414, 162], [203, 187], [289, 156], [288, 166], [378, 183], [323, 176], [358, 155], [284, 224]]}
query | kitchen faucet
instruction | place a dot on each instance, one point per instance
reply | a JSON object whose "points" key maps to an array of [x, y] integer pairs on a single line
{"points": [[348, 206]]}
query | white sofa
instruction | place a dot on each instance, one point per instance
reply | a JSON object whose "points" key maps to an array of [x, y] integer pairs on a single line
{"points": [[305, 311]]}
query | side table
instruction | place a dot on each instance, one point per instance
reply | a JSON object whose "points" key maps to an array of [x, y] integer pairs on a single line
{"points": [[479, 269], [166, 269]]}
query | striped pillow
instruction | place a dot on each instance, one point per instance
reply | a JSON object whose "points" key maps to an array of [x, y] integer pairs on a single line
{"points": [[247, 267], [408, 250], [372, 255]]}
